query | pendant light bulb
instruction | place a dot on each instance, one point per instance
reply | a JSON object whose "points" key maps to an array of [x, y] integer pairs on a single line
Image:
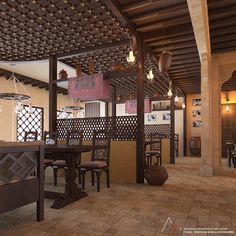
{"points": [[176, 99], [227, 108], [183, 105], [131, 57], [150, 75]]}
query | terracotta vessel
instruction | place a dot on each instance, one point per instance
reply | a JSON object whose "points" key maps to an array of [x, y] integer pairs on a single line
{"points": [[165, 61]]}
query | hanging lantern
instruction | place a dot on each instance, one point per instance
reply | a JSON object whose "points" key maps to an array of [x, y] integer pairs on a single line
{"points": [[131, 57], [183, 105], [150, 76], [169, 93], [227, 108], [165, 61]]}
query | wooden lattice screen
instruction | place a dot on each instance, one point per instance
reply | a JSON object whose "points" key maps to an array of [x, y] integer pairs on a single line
{"points": [[161, 129], [30, 122], [121, 127]]}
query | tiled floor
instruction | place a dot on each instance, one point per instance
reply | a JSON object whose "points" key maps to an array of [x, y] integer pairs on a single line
{"points": [[188, 199]]}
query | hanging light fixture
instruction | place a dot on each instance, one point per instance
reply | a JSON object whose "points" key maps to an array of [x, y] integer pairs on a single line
{"points": [[131, 57], [176, 99], [169, 93], [17, 96], [72, 108], [165, 61], [183, 105], [150, 75]]}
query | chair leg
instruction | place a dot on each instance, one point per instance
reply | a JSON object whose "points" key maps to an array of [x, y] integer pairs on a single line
{"points": [[55, 170], [92, 178], [160, 161], [98, 173], [83, 172], [79, 174], [150, 161], [108, 177]]}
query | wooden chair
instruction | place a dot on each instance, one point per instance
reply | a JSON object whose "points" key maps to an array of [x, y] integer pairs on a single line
{"points": [[155, 150], [31, 136], [176, 145], [73, 138], [49, 138], [99, 159], [17, 185]]}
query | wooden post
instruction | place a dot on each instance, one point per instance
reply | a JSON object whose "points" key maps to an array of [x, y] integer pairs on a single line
{"points": [[172, 129], [114, 102], [140, 114], [185, 126], [52, 93], [106, 109]]}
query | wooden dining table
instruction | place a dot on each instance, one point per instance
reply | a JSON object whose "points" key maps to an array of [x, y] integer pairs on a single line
{"points": [[70, 154]]}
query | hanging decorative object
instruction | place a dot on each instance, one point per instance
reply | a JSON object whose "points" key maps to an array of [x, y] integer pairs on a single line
{"points": [[165, 61], [63, 74], [169, 93], [88, 87], [183, 105], [150, 76], [76, 107], [91, 67], [131, 106]]}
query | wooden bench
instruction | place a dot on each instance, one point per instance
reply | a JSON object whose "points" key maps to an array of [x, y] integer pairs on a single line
{"points": [[19, 185]]}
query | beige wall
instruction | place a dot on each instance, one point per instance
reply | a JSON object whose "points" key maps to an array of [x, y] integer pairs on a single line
{"points": [[8, 118], [192, 131]]}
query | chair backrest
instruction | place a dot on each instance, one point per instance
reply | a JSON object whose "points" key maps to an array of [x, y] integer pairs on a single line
{"points": [[74, 138], [50, 138], [31, 136], [101, 138], [176, 142], [156, 142]]}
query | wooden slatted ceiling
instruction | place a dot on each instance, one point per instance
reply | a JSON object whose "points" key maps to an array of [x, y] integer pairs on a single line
{"points": [[166, 25], [222, 21], [33, 29]]}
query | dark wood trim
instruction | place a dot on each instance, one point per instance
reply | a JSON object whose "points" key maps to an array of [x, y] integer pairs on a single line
{"points": [[114, 102], [185, 126], [106, 108], [140, 113], [52, 93], [85, 51], [172, 128]]}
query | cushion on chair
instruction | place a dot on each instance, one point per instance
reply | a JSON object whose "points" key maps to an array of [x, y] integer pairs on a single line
{"points": [[59, 163], [93, 164], [154, 152], [48, 161]]}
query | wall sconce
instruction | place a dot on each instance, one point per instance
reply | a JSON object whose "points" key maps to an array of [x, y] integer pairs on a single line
{"points": [[131, 57], [227, 108], [150, 76]]}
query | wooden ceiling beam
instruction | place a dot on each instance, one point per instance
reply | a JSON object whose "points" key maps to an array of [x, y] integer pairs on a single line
{"points": [[136, 6], [170, 33], [162, 24], [175, 47], [174, 11], [94, 49], [176, 40]]}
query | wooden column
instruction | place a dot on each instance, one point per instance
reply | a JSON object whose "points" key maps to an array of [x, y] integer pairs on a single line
{"points": [[185, 126], [172, 129], [114, 102], [52, 93], [140, 114], [106, 108]]}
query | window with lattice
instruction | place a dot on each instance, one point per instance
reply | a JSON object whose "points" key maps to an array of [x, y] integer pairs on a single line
{"points": [[27, 121]]}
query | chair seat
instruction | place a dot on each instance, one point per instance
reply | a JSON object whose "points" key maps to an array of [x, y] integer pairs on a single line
{"points": [[94, 164], [60, 163], [48, 161], [153, 152]]}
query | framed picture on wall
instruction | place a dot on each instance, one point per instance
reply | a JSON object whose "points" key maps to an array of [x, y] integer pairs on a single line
{"points": [[197, 123], [196, 113], [166, 116], [152, 117], [196, 102]]}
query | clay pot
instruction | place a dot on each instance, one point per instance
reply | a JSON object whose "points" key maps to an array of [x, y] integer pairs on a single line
{"points": [[156, 175], [117, 67], [165, 61], [63, 74]]}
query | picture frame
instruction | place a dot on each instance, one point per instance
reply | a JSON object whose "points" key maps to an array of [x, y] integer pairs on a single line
{"points": [[151, 117], [196, 102], [197, 124], [196, 113], [166, 116]]}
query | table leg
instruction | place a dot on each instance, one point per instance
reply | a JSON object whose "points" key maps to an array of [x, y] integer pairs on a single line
{"points": [[72, 192]]}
